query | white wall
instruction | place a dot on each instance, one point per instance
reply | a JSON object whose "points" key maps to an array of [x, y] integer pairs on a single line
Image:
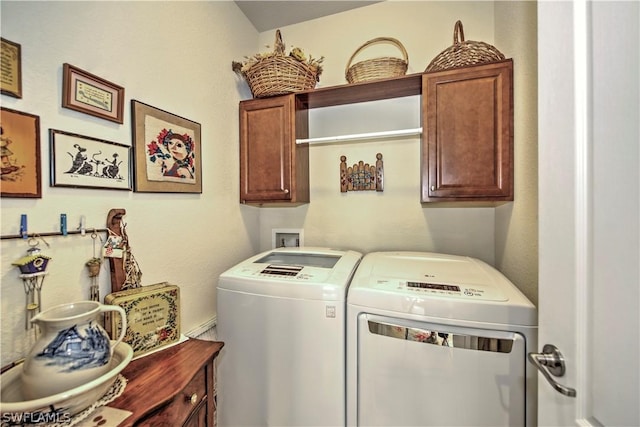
{"points": [[393, 220], [175, 56], [517, 223]]}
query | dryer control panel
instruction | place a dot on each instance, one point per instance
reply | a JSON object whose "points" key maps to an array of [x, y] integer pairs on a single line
{"points": [[435, 286], [479, 292]]}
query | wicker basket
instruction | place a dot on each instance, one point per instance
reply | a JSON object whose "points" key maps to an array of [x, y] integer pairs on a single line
{"points": [[377, 68], [463, 53], [280, 74]]}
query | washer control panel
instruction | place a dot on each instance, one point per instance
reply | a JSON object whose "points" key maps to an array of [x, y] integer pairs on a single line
{"points": [[273, 270]]}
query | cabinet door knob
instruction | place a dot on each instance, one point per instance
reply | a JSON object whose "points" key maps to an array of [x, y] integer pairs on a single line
{"points": [[193, 399], [286, 191], [433, 188]]}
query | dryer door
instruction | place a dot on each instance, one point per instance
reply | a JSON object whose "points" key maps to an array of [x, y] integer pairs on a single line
{"points": [[425, 374]]}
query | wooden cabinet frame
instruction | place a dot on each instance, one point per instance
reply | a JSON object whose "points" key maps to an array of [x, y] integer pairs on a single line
{"points": [[467, 140], [273, 168]]}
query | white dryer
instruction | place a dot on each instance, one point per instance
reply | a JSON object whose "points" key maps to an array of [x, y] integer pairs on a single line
{"points": [[438, 340], [282, 317]]}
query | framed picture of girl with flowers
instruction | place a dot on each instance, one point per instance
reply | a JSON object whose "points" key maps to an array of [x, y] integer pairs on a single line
{"points": [[167, 151]]}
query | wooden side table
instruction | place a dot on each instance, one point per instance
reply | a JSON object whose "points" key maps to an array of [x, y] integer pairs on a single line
{"points": [[172, 387]]}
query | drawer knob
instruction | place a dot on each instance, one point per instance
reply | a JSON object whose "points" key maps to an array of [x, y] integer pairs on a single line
{"points": [[193, 398]]}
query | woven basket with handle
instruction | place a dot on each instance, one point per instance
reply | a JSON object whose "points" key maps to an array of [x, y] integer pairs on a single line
{"points": [[377, 68], [463, 53], [279, 74]]}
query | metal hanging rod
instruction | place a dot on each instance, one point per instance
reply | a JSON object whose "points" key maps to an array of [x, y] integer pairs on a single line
{"points": [[64, 231], [55, 233], [356, 136]]}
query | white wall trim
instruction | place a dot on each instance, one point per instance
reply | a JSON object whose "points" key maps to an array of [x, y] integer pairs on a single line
{"points": [[211, 323], [582, 117]]}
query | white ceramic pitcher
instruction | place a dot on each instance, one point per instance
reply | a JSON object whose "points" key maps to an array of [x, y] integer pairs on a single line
{"points": [[72, 349]]}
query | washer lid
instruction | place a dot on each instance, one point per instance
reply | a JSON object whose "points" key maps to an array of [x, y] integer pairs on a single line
{"points": [[307, 272], [439, 285]]}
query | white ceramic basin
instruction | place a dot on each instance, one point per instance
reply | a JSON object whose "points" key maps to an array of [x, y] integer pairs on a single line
{"points": [[68, 402]]}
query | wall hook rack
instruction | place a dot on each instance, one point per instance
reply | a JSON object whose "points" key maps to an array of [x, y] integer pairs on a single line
{"points": [[25, 234], [53, 233]]}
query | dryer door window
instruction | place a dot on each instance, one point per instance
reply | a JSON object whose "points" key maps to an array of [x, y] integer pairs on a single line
{"points": [[468, 378]]}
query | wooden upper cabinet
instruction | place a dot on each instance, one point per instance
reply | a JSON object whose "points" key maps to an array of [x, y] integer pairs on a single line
{"points": [[273, 169], [467, 142]]}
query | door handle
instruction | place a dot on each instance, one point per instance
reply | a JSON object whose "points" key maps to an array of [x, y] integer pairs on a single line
{"points": [[551, 362]]}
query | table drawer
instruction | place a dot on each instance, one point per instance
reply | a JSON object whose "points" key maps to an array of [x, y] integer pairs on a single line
{"points": [[160, 386], [181, 407]]}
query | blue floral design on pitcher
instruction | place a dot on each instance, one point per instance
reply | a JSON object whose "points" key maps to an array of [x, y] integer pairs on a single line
{"points": [[72, 351]]}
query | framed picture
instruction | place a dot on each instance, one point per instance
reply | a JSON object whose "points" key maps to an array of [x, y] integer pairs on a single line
{"points": [[167, 151], [82, 161], [89, 94], [11, 81], [21, 176]]}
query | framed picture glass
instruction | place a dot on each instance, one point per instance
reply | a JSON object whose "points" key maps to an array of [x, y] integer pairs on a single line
{"points": [[11, 82], [167, 151], [21, 170], [89, 94], [82, 161]]}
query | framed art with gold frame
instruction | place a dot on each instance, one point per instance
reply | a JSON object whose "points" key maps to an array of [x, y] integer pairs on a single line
{"points": [[167, 151], [21, 171], [89, 94], [11, 81]]}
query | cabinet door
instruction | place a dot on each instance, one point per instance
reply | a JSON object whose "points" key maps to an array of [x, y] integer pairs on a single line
{"points": [[467, 149], [270, 162], [198, 418]]}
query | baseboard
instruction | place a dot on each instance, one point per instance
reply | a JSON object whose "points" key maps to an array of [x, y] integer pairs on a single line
{"points": [[206, 326]]}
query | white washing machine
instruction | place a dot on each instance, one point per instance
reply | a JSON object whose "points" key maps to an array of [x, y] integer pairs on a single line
{"points": [[438, 340], [281, 315]]}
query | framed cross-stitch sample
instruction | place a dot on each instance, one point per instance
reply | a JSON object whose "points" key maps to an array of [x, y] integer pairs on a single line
{"points": [[11, 82], [21, 170], [89, 94], [82, 161], [167, 151]]}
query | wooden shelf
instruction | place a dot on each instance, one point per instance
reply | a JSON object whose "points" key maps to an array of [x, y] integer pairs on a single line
{"points": [[396, 87]]}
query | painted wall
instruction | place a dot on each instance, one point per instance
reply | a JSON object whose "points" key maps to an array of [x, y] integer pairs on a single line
{"points": [[505, 237], [517, 222], [175, 56]]}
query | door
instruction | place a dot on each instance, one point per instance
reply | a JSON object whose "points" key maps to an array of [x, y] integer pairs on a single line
{"points": [[588, 209], [467, 148], [273, 168], [418, 373], [266, 137]]}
